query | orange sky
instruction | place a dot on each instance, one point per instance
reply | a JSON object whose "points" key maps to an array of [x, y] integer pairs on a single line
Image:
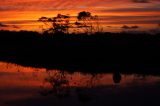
{"points": [[23, 14]]}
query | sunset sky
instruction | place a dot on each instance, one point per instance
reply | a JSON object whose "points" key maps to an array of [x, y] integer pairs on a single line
{"points": [[23, 14]]}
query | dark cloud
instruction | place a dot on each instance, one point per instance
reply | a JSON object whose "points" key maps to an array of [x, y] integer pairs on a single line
{"points": [[130, 27], [125, 27], [153, 17], [3, 25], [141, 1], [15, 26], [134, 27], [136, 22], [136, 9], [109, 26], [20, 22]]}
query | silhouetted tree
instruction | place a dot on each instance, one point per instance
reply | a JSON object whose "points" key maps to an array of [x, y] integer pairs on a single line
{"points": [[97, 27], [88, 22], [58, 24], [61, 23], [85, 20]]}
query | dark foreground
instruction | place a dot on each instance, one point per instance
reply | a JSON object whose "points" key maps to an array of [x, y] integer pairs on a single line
{"points": [[96, 53]]}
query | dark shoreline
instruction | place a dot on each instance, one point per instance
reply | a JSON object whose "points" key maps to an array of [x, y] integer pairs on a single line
{"points": [[96, 53]]}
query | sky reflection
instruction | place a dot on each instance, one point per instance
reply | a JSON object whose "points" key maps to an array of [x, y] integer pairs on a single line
{"points": [[21, 84]]}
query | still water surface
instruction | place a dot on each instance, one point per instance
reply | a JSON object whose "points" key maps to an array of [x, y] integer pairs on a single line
{"points": [[27, 86]]}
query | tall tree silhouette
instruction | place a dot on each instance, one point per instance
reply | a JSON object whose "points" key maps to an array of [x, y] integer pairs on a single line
{"points": [[88, 22], [85, 21]]}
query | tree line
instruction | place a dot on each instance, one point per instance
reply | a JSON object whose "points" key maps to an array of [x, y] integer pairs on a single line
{"points": [[62, 23]]}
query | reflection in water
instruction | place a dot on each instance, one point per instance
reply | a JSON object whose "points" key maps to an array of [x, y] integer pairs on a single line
{"points": [[58, 84], [117, 77], [26, 83]]}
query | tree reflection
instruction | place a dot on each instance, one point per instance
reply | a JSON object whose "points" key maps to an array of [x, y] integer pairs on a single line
{"points": [[58, 84], [117, 77], [85, 94], [63, 84]]}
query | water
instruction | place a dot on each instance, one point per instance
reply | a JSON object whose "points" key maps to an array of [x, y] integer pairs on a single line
{"points": [[27, 86]]}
